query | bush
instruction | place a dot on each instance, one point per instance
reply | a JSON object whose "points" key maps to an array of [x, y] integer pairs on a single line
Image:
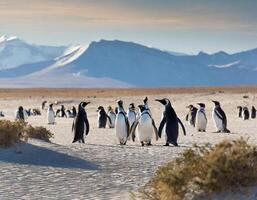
{"points": [[13, 132], [38, 133], [204, 171]]}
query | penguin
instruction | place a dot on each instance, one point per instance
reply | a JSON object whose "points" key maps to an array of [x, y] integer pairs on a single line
{"points": [[50, 115], [21, 114], [102, 117], [219, 118], [74, 111], [191, 115], [131, 114], [62, 111], [43, 105], [112, 116], [70, 114], [121, 124], [1, 114], [171, 120], [240, 109], [57, 114], [144, 127], [80, 124], [246, 113], [35, 112], [253, 112], [201, 119]]}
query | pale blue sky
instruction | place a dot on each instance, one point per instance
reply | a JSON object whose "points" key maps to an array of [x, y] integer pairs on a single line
{"points": [[184, 25]]}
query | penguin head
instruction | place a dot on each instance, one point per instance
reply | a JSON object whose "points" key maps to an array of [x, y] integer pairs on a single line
{"points": [[84, 104], [120, 103], [216, 103], [20, 108], [190, 106], [51, 105], [239, 107], [110, 109], [141, 108], [132, 106], [145, 100], [100, 108], [164, 101], [202, 105]]}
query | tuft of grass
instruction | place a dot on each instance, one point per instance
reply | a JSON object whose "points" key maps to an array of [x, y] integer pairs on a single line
{"points": [[206, 170], [13, 132], [38, 133]]}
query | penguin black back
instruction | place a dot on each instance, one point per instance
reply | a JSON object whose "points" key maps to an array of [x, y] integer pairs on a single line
{"points": [[80, 124], [253, 112], [171, 120]]}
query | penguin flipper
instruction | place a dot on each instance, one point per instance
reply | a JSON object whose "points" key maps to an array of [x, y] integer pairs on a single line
{"points": [[161, 127], [182, 125], [72, 126], [155, 130], [133, 129], [87, 125], [128, 127], [187, 117]]}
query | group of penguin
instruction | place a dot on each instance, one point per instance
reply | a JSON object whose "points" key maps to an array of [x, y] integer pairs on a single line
{"points": [[22, 113], [197, 117], [244, 112], [131, 125]]}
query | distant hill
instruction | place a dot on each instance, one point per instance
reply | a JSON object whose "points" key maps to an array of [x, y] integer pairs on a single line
{"points": [[124, 64]]}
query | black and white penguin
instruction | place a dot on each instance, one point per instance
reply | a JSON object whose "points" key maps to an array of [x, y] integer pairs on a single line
{"points": [[131, 114], [121, 124], [1, 114], [21, 114], [70, 114], [58, 113], [191, 116], [253, 112], [171, 120], [146, 105], [112, 116], [50, 115], [219, 118], [43, 105], [246, 113], [240, 110], [62, 111], [80, 124], [102, 117], [74, 111], [144, 127], [201, 119]]}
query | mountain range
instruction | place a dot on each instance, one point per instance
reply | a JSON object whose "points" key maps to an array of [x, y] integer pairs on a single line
{"points": [[119, 64]]}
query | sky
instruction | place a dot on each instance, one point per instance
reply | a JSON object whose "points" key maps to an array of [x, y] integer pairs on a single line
{"points": [[187, 26]]}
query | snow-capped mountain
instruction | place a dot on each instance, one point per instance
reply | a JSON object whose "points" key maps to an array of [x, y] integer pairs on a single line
{"points": [[124, 64], [15, 52]]}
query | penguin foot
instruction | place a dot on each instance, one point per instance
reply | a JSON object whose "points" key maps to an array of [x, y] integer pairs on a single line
{"points": [[166, 145], [174, 143]]}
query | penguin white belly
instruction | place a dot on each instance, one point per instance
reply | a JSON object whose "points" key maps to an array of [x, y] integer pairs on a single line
{"points": [[200, 121], [144, 130], [50, 117], [217, 121], [121, 128], [131, 118], [112, 123], [98, 120]]}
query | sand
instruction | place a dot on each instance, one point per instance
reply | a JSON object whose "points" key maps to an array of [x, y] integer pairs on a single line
{"points": [[102, 169]]}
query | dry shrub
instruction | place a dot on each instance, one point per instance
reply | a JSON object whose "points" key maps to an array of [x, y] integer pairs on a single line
{"points": [[38, 133], [204, 171], [13, 132]]}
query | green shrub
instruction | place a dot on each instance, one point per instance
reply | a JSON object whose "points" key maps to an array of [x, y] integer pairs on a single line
{"points": [[205, 171], [13, 132]]}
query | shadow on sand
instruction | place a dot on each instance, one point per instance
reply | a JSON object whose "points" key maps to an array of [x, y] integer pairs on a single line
{"points": [[40, 156]]}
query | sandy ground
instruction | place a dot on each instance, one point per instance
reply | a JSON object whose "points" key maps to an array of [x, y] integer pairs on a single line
{"points": [[101, 169]]}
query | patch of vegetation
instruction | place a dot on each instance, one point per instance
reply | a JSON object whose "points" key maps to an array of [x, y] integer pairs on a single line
{"points": [[13, 132], [38, 133], [206, 170]]}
